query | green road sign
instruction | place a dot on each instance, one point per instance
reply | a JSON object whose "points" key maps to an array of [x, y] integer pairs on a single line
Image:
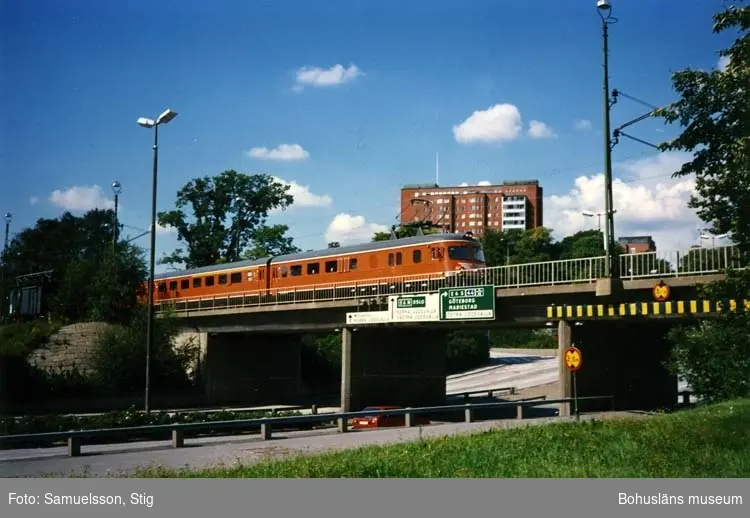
{"points": [[472, 303], [416, 301]]}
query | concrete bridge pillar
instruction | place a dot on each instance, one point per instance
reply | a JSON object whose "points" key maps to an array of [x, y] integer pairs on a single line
{"points": [[392, 366]]}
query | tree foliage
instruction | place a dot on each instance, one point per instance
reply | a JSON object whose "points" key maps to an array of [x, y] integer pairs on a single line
{"points": [[406, 230], [714, 110], [268, 241], [87, 280], [228, 213]]}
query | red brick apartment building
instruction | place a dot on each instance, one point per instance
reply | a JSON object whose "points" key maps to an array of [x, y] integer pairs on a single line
{"points": [[637, 244], [475, 208]]}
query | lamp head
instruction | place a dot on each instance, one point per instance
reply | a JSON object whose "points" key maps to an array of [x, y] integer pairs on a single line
{"points": [[116, 187], [8, 217], [604, 5], [146, 123]]}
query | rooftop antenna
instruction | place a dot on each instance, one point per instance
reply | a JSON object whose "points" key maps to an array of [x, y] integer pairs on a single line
{"points": [[437, 169]]}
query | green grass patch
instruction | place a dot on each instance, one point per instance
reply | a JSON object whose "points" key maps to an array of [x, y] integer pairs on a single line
{"points": [[711, 441]]}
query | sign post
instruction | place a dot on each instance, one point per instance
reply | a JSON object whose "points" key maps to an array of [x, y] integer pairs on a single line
{"points": [[471, 303], [573, 361]]}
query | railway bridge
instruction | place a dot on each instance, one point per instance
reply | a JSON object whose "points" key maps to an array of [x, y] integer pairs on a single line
{"points": [[393, 332]]}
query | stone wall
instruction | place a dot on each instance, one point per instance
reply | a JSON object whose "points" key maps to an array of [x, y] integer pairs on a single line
{"points": [[70, 347]]}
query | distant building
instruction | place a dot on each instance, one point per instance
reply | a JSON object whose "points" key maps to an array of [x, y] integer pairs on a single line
{"points": [[475, 208], [637, 244]]}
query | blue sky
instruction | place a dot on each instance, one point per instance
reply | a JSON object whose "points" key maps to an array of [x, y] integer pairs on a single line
{"points": [[360, 95]]}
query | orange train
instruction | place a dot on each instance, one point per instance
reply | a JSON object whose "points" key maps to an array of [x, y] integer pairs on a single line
{"points": [[439, 254]]}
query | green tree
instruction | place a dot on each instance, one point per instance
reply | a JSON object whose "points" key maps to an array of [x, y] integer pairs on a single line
{"points": [[244, 200], [714, 110], [407, 230], [85, 279], [498, 246], [268, 241]]}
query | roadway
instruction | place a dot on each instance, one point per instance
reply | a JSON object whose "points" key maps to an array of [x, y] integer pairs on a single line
{"points": [[523, 370]]}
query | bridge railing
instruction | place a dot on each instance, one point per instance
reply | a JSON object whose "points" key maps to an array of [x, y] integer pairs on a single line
{"points": [[674, 263], [75, 438], [698, 261]]}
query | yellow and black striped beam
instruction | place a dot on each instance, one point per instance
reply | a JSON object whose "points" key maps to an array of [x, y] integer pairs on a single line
{"points": [[672, 308]]}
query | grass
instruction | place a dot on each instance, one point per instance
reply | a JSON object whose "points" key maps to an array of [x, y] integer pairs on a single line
{"points": [[711, 441]]}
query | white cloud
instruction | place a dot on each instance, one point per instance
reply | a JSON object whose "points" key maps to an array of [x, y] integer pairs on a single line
{"points": [[723, 63], [321, 77], [286, 152], [81, 198], [484, 182], [583, 124], [163, 229], [648, 202], [501, 122], [33, 200], [303, 196], [538, 129], [349, 230]]}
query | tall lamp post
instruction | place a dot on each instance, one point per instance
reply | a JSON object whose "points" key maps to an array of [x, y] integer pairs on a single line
{"points": [[590, 214], [116, 189], [604, 8], [8, 219], [164, 118]]}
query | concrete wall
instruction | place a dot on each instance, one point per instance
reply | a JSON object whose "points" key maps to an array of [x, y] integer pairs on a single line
{"points": [[245, 368], [623, 358], [393, 366]]}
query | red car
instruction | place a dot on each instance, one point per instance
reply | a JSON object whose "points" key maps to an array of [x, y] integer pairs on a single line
{"points": [[380, 421]]}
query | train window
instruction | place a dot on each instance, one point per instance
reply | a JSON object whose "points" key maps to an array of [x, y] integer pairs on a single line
{"points": [[460, 253], [222, 278], [260, 274], [172, 285], [296, 270], [353, 263], [399, 260], [437, 253], [250, 276], [284, 271], [332, 266], [235, 278], [416, 256], [313, 268], [197, 282], [162, 287], [210, 281], [184, 284], [391, 260]]}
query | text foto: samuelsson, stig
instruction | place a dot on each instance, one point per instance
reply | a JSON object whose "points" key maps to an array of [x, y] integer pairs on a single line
{"points": [[89, 499]]}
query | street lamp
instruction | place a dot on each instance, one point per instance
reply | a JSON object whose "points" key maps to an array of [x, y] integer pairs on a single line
{"points": [[164, 118], [116, 189], [604, 9], [8, 219], [590, 214], [713, 238]]}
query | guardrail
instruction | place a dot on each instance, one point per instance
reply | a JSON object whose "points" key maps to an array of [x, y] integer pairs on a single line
{"points": [[696, 262], [490, 392], [75, 438]]}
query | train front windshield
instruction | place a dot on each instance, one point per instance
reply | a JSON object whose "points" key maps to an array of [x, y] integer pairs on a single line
{"points": [[466, 253]]}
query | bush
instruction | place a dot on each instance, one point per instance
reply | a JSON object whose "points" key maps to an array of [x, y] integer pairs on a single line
{"points": [[714, 355], [19, 340], [466, 350], [120, 357]]}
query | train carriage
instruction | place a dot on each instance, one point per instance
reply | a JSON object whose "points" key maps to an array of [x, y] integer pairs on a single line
{"points": [[379, 268]]}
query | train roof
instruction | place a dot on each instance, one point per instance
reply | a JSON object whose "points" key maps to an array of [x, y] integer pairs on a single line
{"points": [[299, 256]]}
